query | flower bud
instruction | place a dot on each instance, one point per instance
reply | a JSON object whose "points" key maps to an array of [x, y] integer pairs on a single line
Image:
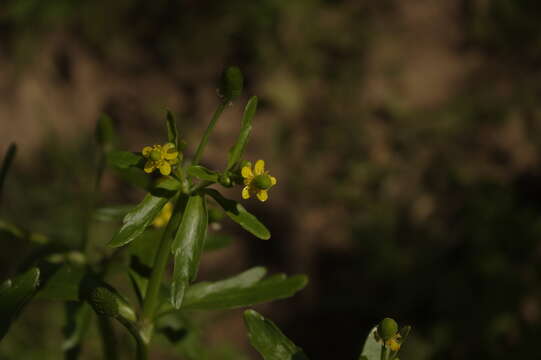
{"points": [[231, 84], [387, 328], [224, 180], [103, 301]]}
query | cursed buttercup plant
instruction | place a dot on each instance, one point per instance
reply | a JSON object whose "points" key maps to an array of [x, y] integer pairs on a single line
{"points": [[169, 225]]}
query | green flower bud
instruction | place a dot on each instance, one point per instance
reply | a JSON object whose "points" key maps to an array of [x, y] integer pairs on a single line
{"points": [[103, 301], [231, 84], [387, 328], [262, 182], [155, 155], [224, 180]]}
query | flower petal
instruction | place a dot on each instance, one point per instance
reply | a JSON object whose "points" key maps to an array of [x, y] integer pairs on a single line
{"points": [[150, 166], [165, 168], [247, 172], [259, 167], [262, 195], [273, 180], [146, 151], [246, 192], [170, 155], [168, 146]]}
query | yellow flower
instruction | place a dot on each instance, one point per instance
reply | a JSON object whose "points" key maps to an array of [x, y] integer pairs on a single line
{"points": [[257, 181], [393, 343], [164, 215], [161, 158]]}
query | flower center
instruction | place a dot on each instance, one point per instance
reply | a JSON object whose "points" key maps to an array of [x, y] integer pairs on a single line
{"points": [[155, 155], [262, 182]]}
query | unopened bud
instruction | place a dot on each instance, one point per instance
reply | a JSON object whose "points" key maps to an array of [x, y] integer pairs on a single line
{"points": [[387, 328]]}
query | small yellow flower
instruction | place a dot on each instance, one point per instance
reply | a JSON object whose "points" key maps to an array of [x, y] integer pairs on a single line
{"points": [[161, 158], [164, 215], [257, 181], [393, 343]]}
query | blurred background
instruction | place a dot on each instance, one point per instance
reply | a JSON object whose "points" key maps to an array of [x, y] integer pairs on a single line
{"points": [[405, 136]]}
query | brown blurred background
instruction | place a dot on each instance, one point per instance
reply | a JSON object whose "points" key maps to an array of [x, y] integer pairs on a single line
{"points": [[405, 136]]}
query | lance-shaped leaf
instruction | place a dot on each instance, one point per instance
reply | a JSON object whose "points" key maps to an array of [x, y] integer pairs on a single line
{"points": [[268, 340], [14, 295], [138, 219], [202, 173], [236, 151], [245, 289], [240, 215], [125, 159], [188, 245]]}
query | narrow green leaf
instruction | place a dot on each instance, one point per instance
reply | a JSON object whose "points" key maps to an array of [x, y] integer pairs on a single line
{"points": [[125, 159], [105, 133], [202, 173], [6, 164], [268, 340], [371, 348], [172, 132], [240, 215], [246, 127], [229, 295], [63, 284], [138, 219], [14, 295], [188, 245]]}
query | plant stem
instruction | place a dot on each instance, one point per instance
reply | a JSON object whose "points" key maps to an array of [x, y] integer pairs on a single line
{"points": [[108, 338], [142, 347], [151, 300], [206, 135]]}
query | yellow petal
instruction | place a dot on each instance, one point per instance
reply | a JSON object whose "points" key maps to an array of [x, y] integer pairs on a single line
{"points": [[158, 221], [165, 168], [262, 195], [170, 155], [247, 172], [168, 146], [273, 180], [259, 167], [146, 151], [246, 192], [150, 166]]}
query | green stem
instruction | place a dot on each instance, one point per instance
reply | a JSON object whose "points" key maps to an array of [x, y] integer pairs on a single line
{"points": [[383, 355], [206, 135], [151, 301], [142, 347], [108, 338]]}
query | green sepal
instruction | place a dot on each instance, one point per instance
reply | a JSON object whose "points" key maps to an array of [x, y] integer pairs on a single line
{"points": [[202, 173], [138, 219], [14, 295], [269, 340], [246, 127], [240, 215], [188, 245]]}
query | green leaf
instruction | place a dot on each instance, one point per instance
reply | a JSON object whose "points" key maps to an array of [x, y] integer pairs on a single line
{"points": [[371, 348], [188, 245], [142, 252], [138, 219], [240, 215], [6, 164], [268, 340], [63, 284], [125, 159], [202, 173], [105, 133], [172, 132], [14, 295], [236, 151], [245, 289]]}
